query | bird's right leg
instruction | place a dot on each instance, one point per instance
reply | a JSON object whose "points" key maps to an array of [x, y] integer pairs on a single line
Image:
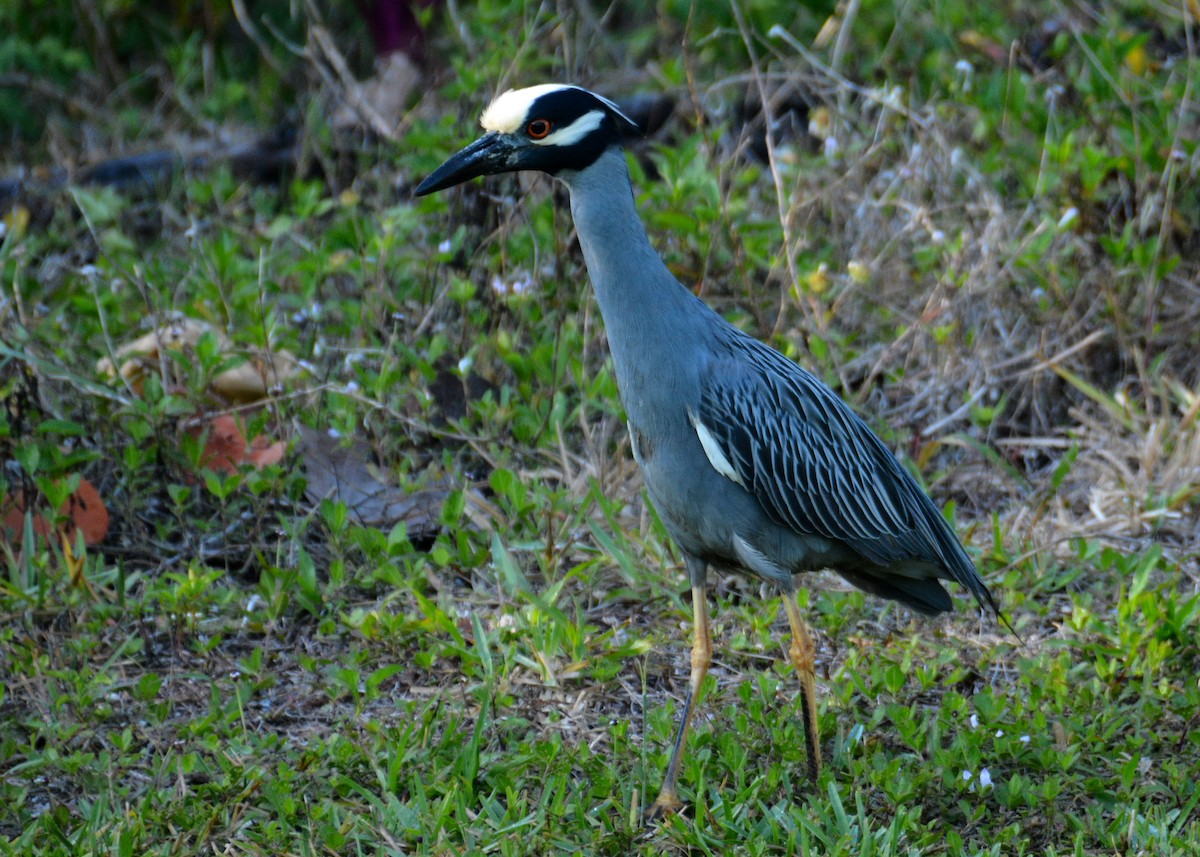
{"points": [[668, 798], [804, 659]]}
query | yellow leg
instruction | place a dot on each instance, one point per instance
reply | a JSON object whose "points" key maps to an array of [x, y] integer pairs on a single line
{"points": [[803, 658], [668, 798]]}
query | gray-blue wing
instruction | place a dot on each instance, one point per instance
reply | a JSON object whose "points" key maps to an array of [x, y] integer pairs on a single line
{"points": [[817, 468]]}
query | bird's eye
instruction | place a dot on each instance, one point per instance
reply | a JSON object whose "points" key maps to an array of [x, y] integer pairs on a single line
{"points": [[538, 129]]}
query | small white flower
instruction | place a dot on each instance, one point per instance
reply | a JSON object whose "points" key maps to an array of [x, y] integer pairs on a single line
{"points": [[964, 71], [937, 236], [352, 387], [519, 286], [966, 775], [974, 721], [999, 733], [465, 364], [1068, 217], [1025, 739], [985, 779], [444, 247], [334, 433], [88, 271], [831, 147]]}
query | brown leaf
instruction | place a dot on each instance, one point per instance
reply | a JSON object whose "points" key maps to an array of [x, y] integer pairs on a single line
{"points": [[254, 379], [338, 470], [225, 447], [84, 511], [263, 452], [246, 382]]}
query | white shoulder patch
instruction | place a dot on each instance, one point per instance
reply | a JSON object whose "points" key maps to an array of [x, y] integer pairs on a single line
{"points": [[507, 113], [712, 450], [637, 453]]}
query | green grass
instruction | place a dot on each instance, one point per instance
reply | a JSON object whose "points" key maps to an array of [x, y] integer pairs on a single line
{"points": [[1006, 295]]}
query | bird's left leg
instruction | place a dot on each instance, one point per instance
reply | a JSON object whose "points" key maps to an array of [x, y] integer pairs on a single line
{"points": [[668, 797], [804, 659]]}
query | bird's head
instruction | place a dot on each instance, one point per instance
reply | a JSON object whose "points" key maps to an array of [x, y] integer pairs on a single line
{"points": [[552, 127]]}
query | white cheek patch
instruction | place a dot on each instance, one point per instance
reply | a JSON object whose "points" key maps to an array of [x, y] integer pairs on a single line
{"points": [[507, 113], [573, 133]]}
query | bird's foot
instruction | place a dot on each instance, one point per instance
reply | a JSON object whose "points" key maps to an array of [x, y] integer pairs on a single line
{"points": [[666, 804]]}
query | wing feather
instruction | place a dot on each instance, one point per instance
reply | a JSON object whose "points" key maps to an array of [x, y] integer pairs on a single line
{"points": [[815, 466]]}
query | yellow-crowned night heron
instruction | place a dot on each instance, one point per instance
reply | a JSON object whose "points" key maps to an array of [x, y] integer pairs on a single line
{"points": [[752, 463]]}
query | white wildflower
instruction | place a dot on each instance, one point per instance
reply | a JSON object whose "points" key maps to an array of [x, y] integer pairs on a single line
{"points": [[518, 286], [964, 71]]}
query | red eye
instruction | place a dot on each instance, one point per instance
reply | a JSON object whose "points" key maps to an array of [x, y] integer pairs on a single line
{"points": [[538, 129]]}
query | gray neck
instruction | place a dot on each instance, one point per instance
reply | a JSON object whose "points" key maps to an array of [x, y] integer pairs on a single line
{"points": [[641, 301]]}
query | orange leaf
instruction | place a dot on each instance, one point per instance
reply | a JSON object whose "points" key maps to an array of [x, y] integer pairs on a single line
{"points": [[84, 511], [226, 446]]}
